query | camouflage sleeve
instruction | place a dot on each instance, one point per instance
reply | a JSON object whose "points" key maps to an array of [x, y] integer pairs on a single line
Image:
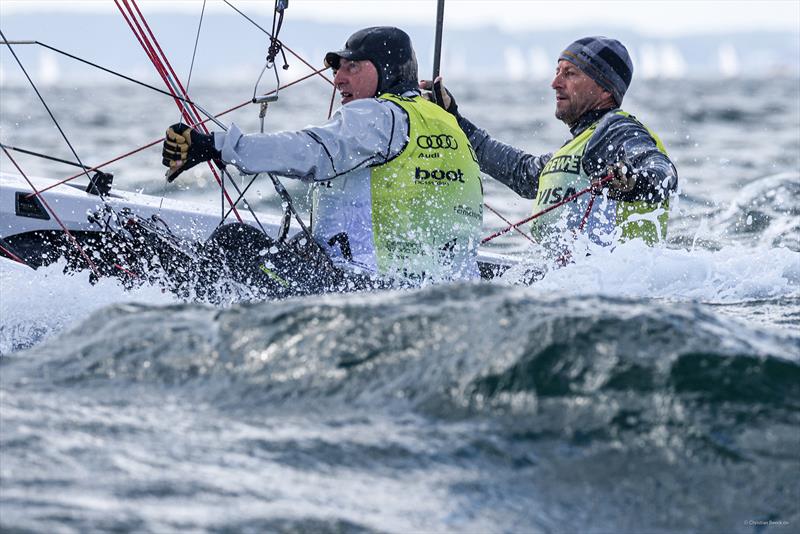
{"points": [[513, 167], [621, 138]]}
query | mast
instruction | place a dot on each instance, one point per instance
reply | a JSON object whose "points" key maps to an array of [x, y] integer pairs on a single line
{"points": [[437, 50]]}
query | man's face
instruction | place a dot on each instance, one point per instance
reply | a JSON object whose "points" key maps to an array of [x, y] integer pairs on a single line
{"points": [[577, 93], [356, 79]]}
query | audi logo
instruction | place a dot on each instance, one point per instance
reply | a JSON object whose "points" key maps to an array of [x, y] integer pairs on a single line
{"points": [[437, 141]]}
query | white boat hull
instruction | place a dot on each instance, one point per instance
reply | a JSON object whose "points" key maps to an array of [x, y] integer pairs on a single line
{"points": [[32, 227]]}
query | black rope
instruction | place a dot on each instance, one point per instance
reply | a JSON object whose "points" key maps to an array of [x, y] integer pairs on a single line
{"points": [[254, 23], [275, 46], [287, 198], [41, 98], [239, 198], [104, 69], [44, 156], [272, 36], [194, 52], [225, 173]]}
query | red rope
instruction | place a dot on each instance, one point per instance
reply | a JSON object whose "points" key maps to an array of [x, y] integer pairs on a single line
{"points": [[13, 256], [546, 210], [148, 49], [536, 215], [166, 62], [53, 213], [126, 271], [523, 234], [189, 114], [586, 214]]}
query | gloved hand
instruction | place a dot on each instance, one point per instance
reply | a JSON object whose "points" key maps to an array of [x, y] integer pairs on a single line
{"points": [[185, 147], [437, 93], [620, 178]]}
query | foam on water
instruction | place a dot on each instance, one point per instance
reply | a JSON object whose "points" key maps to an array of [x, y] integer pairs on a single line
{"points": [[37, 304], [635, 270]]}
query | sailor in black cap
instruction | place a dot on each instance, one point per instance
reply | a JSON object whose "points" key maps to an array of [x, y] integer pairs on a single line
{"points": [[397, 191], [592, 77], [389, 50]]}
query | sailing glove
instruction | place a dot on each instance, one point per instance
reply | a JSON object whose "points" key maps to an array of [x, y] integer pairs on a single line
{"points": [[437, 93], [185, 147], [620, 179]]}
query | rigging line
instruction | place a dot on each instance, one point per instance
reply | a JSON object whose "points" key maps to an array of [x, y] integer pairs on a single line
{"points": [[546, 210], [72, 239], [120, 75], [588, 211], [536, 215], [97, 167], [151, 54], [225, 173], [247, 204], [74, 153], [295, 54], [147, 45], [175, 79], [240, 197], [194, 52], [161, 140], [159, 68], [287, 198], [100, 67], [233, 204], [275, 45], [505, 220], [45, 156]]}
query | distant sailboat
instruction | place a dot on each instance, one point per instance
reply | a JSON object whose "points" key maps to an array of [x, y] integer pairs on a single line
{"points": [[516, 67], [542, 65], [663, 61], [49, 71], [728, 60]]}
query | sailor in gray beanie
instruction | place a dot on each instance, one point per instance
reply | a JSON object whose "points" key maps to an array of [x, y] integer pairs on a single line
{"points": [[611, 153], [604, 60]]}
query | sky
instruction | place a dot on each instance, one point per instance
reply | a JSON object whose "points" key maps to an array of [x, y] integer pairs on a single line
{"points": [[649, 17], [517, 39]]}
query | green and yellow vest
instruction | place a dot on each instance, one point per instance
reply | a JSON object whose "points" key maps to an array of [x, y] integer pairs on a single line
{"points": [[609, 220], [419, 214]]}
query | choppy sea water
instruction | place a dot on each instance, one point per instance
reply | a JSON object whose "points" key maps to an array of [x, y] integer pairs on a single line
{"points": [[644, 390]]}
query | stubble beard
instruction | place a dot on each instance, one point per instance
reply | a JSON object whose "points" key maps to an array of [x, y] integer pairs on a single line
{"points": [[568, 116]]}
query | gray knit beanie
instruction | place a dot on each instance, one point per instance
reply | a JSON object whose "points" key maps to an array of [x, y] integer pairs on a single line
{"points": [[604, 60]]}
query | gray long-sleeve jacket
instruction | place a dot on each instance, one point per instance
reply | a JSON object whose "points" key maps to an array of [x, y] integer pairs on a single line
{"points": [[629, 139], [338, 154]]}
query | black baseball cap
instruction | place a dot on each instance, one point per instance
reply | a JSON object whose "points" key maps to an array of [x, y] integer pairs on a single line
{"points": [[389, 49]]}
